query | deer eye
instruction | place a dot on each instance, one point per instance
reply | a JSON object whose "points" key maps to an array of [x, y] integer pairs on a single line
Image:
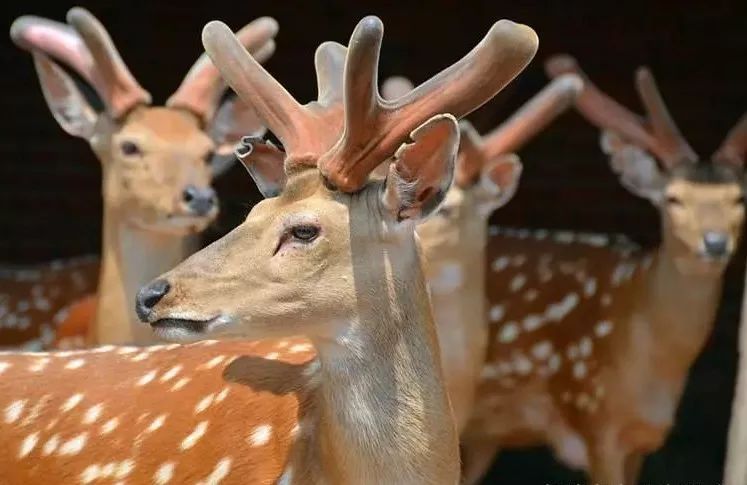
{"points": [[672, 200], [305, 233], [739, 200], [130, 148], [209, 157]]}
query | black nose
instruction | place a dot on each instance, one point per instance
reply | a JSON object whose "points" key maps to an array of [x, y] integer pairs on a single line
{"points": [[148, 296], [715, 243], [199, 201]]}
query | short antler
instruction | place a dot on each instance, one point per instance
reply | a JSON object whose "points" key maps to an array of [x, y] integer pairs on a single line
{"points": [[86, 47], [475, 151], [734, 146], [201, 89], [658, 133], [350, 129]]}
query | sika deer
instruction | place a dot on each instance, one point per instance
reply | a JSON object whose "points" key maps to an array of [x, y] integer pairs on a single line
{"points": [[156, 165], [454, 240], [590, 348], [341, 268]]}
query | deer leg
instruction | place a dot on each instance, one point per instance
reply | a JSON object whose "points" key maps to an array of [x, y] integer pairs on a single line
{"points": [[633, 465], [477, 456], [607, 465]]}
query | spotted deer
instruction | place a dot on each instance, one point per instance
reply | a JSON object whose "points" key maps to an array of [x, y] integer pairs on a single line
{"points": [[157, 165], [332, 258], [454, 239], [589, 347]]}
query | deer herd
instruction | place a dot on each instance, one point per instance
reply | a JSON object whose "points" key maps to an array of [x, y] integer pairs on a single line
{"points": [[365, 323]]}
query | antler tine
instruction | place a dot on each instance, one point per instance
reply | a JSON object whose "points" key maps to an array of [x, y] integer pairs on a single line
{"points": [[533, 116], [280, 112], [122, 90], [600, 109], [672, 144], [202, 87], [329, 62], [458, 90], [734, 146]]}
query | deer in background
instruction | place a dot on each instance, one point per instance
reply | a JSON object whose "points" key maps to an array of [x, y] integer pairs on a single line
{"points": [[454, 240], [333, 258], [590, 347], [156, 167]]}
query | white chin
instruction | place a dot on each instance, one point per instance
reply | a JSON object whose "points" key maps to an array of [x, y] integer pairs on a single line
{"points": [[175, 334]]}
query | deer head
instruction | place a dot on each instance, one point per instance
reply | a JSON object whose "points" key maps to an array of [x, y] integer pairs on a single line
{"points": [[157, 162], [701, 204], [330, 237]]}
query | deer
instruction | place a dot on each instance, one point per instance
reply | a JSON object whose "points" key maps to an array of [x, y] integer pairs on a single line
{"points": [[330, 259], [157, 166], [454, 239], [591, 340]]}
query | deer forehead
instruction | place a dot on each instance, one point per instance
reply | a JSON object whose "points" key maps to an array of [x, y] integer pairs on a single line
{"points": [[166, 126], [704, 192]]}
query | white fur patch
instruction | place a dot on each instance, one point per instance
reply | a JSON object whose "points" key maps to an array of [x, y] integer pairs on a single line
{"points": [[603, 328], [261, 435], [497, 312], [448, 278], [508, 333]]}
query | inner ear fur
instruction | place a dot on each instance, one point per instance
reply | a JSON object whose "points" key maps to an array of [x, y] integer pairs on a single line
{"points": [[637, 169], [500, 177], [422, 170]]}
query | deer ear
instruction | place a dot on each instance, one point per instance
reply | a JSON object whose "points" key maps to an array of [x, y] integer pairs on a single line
{"points": [[636, 168], [422, 170], [68, 105], [264, 162], [232, 121], [500, 179]]}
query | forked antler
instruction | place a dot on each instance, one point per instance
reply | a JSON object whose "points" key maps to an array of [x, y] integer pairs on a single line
{"points": [[86, 47], [657, 134], [350, 129], [475, 151], [202, 87], [734, 146]]}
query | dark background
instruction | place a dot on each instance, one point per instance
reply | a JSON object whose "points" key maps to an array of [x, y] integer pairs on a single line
{"points": [[50, 183]]}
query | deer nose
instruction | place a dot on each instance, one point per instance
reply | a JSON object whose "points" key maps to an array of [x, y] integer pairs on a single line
{"points": [[715, 243], [199, 201], [148, 296]]}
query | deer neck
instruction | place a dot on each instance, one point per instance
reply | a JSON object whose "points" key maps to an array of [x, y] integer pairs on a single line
{"points": [[681, 308], [384, 416], [131, 257]]}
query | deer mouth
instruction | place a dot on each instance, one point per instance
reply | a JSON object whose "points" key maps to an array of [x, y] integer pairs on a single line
{"points": [[179, 329]]}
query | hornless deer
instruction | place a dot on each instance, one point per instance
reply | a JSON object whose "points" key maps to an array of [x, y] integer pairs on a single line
{"points": [[156, 166], [454, 240], [332, 258], [590, 347]]}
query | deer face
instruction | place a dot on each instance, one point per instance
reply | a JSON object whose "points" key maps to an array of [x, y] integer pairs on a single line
{"points": [[157, 171], [703, 213]]}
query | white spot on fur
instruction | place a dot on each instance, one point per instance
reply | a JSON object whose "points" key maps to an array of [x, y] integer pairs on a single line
{"points": [[564, 237], [497, 312], [532, 322], [194, 436], [590, 287], [509, 332], [92, 414], [579, 370], [272, 356], [180, 383], [531, 294], [219, 472], [582, 401], [204, 403], [156, 423], [585, 346], [28, 444], [554, 362], [517, 282], [51, 445], [518, 260], [542, 350], [215, 361], [558, 311], [261, 435], [110, 426], [127, 350], [39, 364], [4, 366], [299, 348], [140, 357], [603, 328], [171, 373], [148, 377], [164, 474], [13, 411], [605, 300], [572, 352], [222, 395], [75, 364], [74, 445], [522, 365], [500, 263], [622, 272]]}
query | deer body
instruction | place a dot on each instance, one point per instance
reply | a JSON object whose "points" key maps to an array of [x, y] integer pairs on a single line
{"points": [[157, 161]]}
